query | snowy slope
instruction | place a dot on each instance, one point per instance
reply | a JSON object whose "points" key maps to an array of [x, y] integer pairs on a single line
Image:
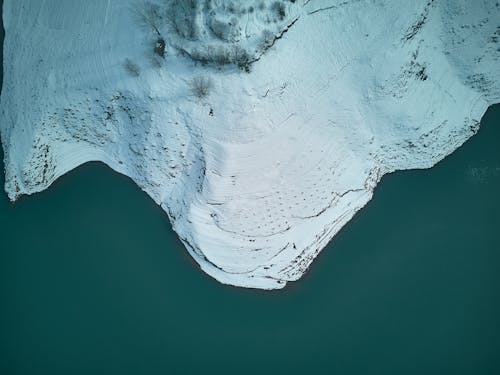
{"points": [[258, 176]]}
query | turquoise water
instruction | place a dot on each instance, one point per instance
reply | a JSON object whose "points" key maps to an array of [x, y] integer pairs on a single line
{"points": [[93, 280]]}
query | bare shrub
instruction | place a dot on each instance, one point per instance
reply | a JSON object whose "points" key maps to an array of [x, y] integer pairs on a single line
{"points": [[241, 58], [198, 56], [225, 31], [182, 16], [201, 86], [279, 10], [132, 68], [148, 15], [219, 56], [267, 39]]}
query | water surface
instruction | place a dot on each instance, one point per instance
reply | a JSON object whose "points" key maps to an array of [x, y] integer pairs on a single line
{"points": [[93, 280]]}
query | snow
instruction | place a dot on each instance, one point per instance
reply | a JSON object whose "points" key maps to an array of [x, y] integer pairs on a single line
{"points": [[261, 174]]}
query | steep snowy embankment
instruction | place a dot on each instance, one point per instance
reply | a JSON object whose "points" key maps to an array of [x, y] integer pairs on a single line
{"points": [[309, 103]]}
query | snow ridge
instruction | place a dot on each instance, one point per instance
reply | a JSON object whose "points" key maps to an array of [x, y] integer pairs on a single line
{"points": [[309, 104]]}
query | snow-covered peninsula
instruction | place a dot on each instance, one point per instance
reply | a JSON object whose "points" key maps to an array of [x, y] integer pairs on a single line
{"points": [[260, 127]]}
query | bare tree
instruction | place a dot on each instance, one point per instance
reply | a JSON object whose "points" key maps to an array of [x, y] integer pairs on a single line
{"points": [[201, 86], [148, 15], [182, 16]]}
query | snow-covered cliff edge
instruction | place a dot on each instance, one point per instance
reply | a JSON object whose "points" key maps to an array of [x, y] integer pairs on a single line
{"points": [[304, 106]]}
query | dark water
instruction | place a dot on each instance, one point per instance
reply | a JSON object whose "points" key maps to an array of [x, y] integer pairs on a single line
{"points": [[93, 280]]}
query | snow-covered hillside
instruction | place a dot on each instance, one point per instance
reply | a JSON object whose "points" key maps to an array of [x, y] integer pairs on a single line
{"points": [[260, 127]]}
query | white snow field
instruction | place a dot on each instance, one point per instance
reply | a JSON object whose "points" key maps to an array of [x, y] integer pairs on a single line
{"points": [[260, 127]]}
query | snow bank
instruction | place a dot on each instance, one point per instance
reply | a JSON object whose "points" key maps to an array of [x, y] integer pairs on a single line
{"points": [[260, 174]]}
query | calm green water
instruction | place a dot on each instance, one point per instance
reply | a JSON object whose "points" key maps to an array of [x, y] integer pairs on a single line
{"points": [[94, 281]]}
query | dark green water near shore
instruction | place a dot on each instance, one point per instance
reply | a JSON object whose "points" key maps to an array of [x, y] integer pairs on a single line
{"points": [[94, 281]]}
